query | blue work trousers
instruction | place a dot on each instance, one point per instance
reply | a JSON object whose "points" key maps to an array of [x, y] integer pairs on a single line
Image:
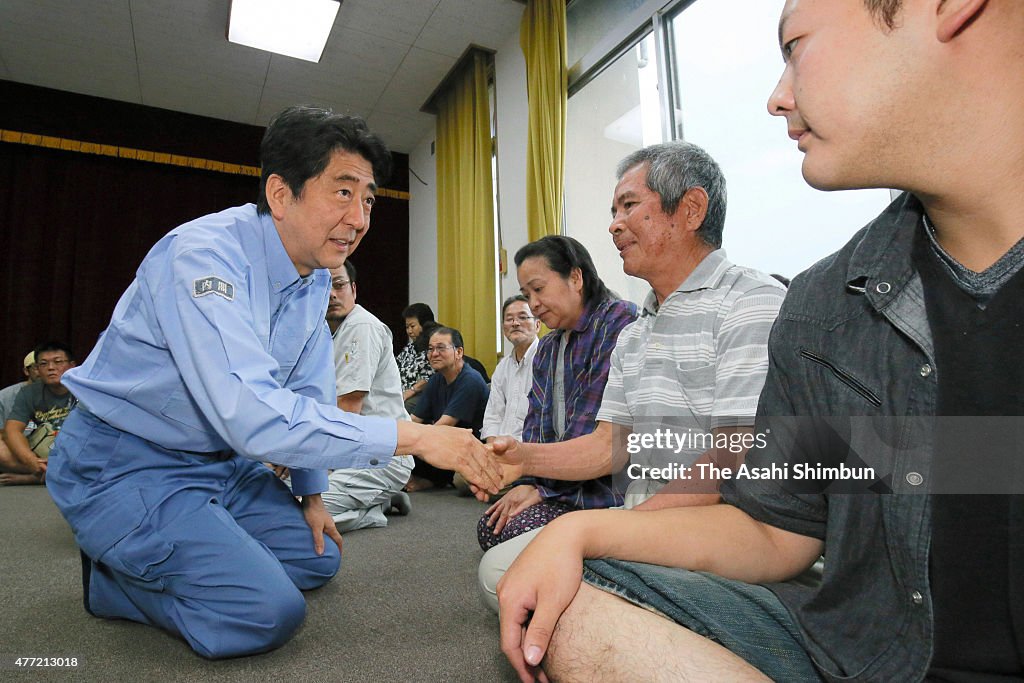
{"points": [[215, 550]]}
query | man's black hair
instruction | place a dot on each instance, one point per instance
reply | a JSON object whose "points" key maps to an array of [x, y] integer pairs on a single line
{"points": [[299, 142]]}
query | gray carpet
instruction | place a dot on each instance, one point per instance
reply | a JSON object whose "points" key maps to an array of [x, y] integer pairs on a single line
{"points": [[403, 607]]}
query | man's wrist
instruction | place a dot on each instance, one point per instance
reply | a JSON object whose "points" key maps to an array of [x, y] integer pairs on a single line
{"points": [[574, 531], [409, 433], [524, 456]]}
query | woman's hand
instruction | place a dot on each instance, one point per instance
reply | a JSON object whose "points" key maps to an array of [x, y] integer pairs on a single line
{"points": [[510, 505]]}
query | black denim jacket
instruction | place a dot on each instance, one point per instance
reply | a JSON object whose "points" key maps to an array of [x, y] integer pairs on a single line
{"points": [[852, 339]]}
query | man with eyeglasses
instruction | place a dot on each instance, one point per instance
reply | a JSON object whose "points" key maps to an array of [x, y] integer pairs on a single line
{"points": [[512, 379], [367, 383], [510, 385], [44, 404], [455, 395]]}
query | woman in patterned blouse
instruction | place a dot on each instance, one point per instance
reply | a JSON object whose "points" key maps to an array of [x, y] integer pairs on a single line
{"points": [[570, 370], [412, 363]]}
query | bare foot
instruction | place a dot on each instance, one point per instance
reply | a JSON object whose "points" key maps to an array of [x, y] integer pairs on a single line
{"points": [[418, 484], [7, 479]]}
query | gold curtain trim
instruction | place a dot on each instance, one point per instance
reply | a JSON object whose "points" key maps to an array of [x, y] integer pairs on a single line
{"points": [[35, 140]]}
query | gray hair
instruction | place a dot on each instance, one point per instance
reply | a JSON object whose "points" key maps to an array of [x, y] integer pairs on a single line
{"points": [[675, 167], [512, 299]]}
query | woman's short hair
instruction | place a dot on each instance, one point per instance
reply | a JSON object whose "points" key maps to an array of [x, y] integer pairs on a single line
{"points": [[421, 312]]}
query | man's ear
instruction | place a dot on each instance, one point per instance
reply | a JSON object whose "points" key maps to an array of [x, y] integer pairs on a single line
{"points": [[693, 207], [353, 286], [278, 195], [955, 15]]}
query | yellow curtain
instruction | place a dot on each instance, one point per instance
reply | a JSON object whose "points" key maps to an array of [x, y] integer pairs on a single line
{"points": [[465, 210], [542, 37]]}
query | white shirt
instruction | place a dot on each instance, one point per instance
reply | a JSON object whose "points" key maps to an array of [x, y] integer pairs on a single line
{"points": [[510, 387], [363, 362]]}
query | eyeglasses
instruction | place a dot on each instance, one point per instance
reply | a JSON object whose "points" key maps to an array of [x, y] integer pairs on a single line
{"points": [[340, 284], [57, 362], [521, 319], [440, 348]]}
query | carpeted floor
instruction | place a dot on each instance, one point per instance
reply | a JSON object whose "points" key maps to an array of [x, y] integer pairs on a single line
{"points": [[403, 607]]}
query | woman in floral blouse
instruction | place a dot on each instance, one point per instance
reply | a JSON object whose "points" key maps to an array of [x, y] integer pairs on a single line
{"points": [[412, 363]]}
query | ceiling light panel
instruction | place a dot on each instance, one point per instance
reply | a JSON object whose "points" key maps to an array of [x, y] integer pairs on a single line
{"points": [[295, 28]]}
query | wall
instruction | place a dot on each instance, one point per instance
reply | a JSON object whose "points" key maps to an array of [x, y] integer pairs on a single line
{"points": [[423, 224], [510, 82]]}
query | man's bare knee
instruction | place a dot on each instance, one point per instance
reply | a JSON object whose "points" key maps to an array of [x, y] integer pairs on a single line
{"points": [[583, 636]]}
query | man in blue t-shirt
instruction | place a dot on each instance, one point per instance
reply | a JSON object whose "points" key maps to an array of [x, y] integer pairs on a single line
{"points": [[455, 395]]}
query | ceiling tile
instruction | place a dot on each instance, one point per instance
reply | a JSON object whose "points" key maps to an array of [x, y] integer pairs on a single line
{"points": [[69, 22], [195, 41], [500, 17], [397, 20], [458, 23], [418, 77], [348, 47], [321, 85], [102, 72], [169, 87], [274, 100]]}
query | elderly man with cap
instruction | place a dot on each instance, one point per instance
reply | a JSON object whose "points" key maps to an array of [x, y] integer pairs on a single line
{"points": [[7, 396]]}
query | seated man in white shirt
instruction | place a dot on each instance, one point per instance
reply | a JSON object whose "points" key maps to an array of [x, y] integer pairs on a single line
{"points": [[367, 383], [513, 378]]}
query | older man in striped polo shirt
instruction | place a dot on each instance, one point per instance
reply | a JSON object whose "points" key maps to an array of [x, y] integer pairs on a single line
{"points": [[686, 376]]}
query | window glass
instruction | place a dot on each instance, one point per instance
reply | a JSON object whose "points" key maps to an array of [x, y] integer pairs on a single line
{"points": [[616, 113]]}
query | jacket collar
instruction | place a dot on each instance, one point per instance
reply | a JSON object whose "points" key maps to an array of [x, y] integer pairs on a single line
{"points": [[881, 265], [280, 268]]}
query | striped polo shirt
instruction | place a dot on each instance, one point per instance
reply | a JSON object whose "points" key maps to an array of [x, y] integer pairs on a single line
{"points": [[695, 362]]}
